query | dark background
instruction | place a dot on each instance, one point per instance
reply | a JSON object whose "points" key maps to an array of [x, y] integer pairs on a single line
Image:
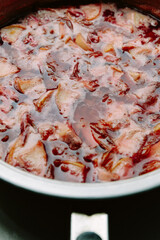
{"points": [[26, 215]]}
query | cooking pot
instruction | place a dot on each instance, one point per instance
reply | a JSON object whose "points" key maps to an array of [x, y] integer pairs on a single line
{"points": [[49, 198], [9, 10]]}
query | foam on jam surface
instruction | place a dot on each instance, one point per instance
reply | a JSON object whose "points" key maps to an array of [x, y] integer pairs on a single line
{"points": [[79, 93]]}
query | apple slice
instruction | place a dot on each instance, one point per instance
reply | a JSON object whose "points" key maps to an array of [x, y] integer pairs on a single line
{"points": [[11, 33], [7, 68], [91, 11], [81, 42]]}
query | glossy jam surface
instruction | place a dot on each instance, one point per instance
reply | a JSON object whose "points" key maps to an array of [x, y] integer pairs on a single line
{"points": [[79, 93]]}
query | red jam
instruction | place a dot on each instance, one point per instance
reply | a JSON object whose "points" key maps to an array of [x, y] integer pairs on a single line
{"points": [[79, 93]]}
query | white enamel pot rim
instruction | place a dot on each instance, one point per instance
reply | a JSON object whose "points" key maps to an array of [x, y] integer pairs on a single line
{"points": [[68, 189], [78, 190]]}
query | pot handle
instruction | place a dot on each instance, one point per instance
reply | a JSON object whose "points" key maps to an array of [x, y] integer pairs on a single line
{"points": [[94, 227]]}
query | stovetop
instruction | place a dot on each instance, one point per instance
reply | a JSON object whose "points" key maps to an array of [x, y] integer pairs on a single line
{"points": [[25, 215]]}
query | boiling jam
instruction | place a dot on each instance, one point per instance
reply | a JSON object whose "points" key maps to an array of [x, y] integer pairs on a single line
{"points": [[79, 93]]}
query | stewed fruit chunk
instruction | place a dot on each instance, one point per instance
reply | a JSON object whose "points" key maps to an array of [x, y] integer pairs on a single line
{"points": [[29, 85], [7, 68], [130, 141], [8, 93], [81, 42], [42, 100], [12, 32], [102, 136], [31, 155], [46, 130], [106, 176], [155, 150], [91, 11], [150, 166], [67, 134], [66, 96], [123, 168]]}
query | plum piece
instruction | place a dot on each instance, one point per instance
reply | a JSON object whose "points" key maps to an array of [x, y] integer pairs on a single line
{"points": [[91, 85], [66, 96], [130, 140], [106, 176], [150, 146], [11, 33], [91, 11], [101, 136], [46, 130], [67, 134], [155, 150], [150, 166], [41, 102], [7, 68], [8, 93], [81, 42], [6, 104], [30, 156], [72, 140], [29, 85], [75, 73], [116, 115], [123, 168]]}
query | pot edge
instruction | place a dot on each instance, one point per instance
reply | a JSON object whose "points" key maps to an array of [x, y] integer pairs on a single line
{"points": [[73, 190]]}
